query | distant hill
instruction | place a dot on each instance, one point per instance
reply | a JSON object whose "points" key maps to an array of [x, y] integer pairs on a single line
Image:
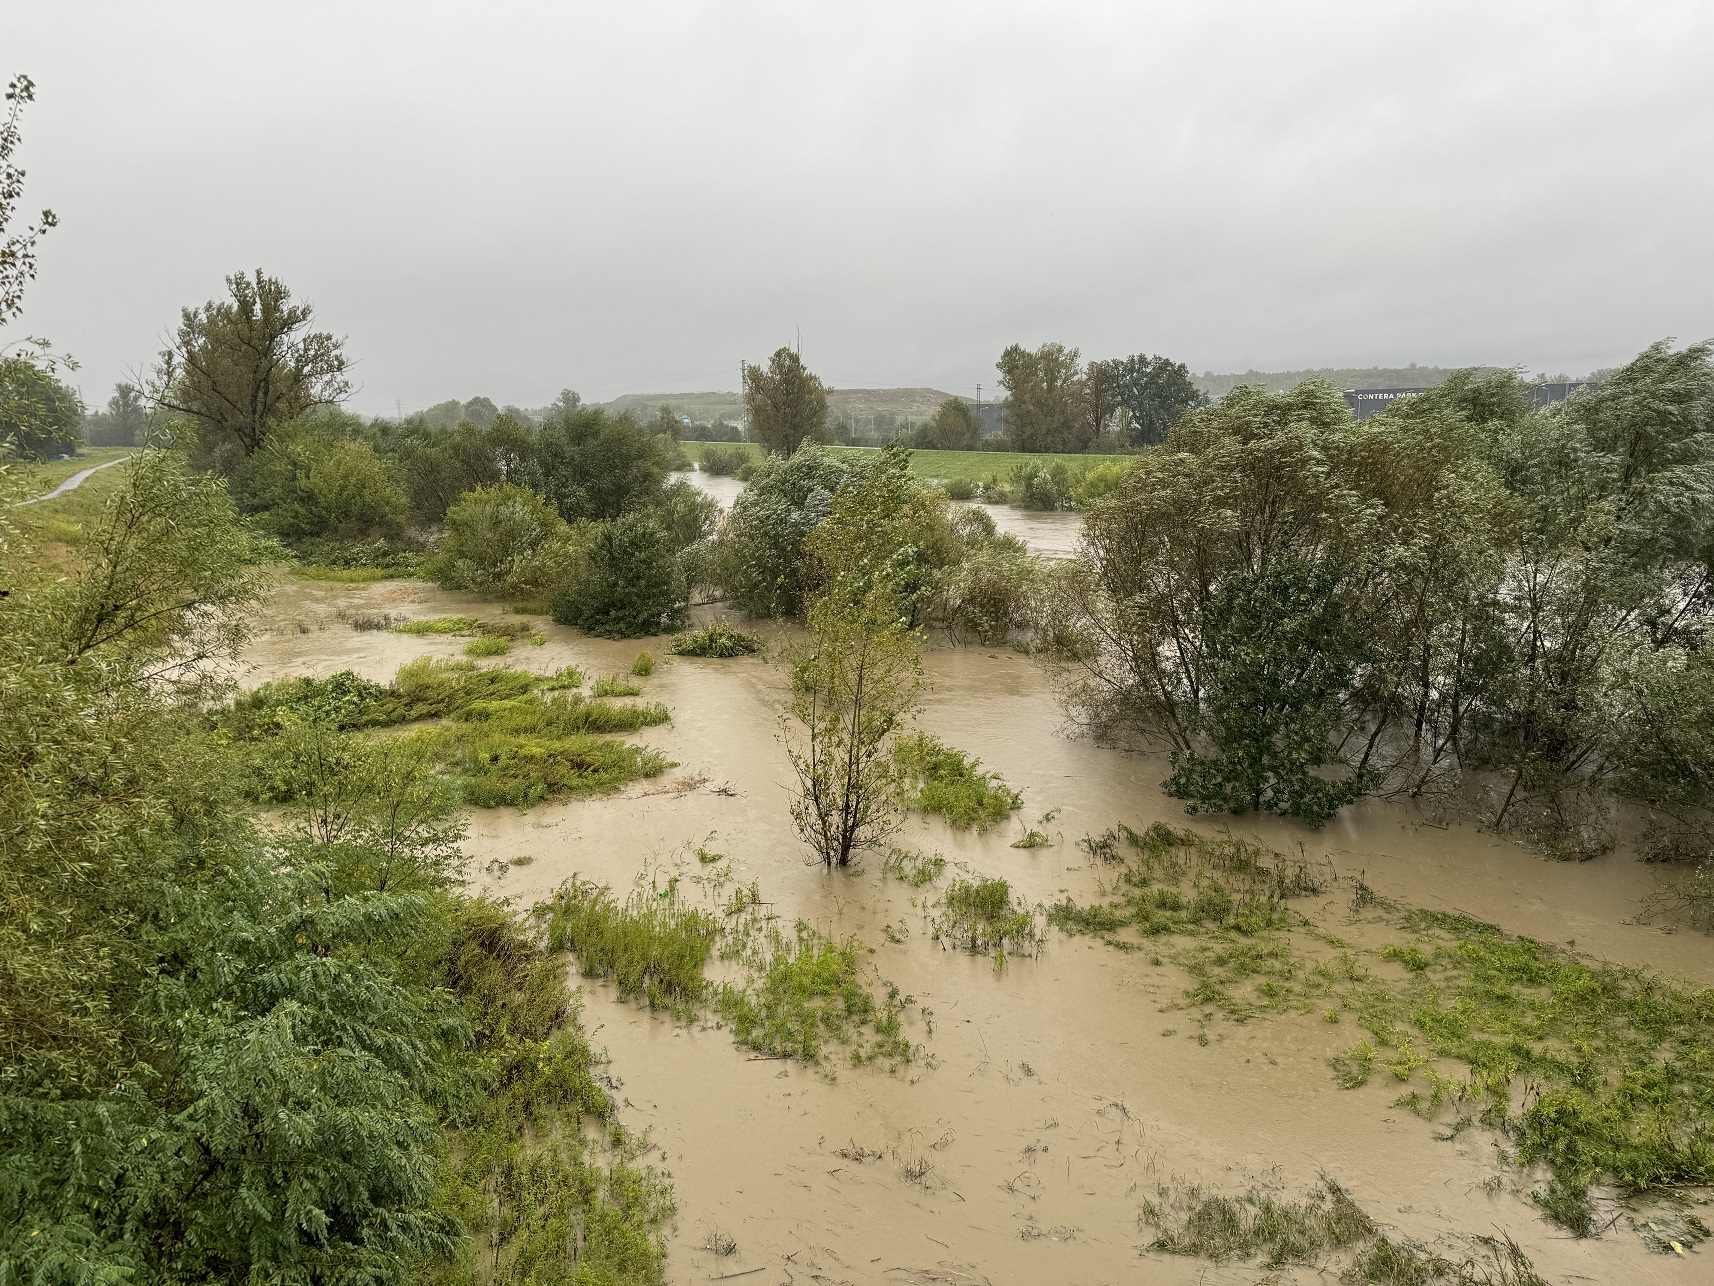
{"points": [[858, 403], [1412, 376]]}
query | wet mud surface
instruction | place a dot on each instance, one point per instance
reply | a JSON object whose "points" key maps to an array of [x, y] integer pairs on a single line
{"points": [[1051, 1097]]}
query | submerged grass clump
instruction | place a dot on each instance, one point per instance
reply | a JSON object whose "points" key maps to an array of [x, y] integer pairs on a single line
{"points": [[611, 685], [981, 917], [644, 665], [488, 645], [912, 867], [503, 736], [805, 992], [347, 575], [440, 625], [935, 778], [1325, 1231], [652, 945], [717, 640]]}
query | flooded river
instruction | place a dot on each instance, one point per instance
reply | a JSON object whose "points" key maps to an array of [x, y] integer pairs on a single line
{"points": [[1052, 535], [1052, 1097]]}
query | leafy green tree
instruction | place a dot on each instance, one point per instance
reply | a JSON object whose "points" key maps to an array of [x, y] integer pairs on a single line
{"points": [[1154, 393], [481, 412], [241, 367], [1044, 398], [437, 465], [505, 539], [785, 403], [595, 466], [633, 585], [1280, 650], [953, 428], [39, 417], [125, 423]]}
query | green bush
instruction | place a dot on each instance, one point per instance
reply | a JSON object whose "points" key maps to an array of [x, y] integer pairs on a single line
{"points": [[1041, 486], [962, 489], [305, 486], [722, 461], [507, 540], [718, 639], [644, 665], [633, 586]]}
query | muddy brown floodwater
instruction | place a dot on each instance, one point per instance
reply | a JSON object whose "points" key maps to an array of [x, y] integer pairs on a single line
{"points": [[1053, 1096]]}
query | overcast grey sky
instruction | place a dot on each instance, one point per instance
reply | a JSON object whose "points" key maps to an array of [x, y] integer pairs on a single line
{"points": [[511, 198]]}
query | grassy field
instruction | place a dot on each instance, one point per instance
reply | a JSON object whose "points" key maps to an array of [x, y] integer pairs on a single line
{"points": [[976, 466], [34, 479]]}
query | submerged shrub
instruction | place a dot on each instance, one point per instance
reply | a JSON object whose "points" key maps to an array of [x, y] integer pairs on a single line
{"points": [[718, 639], [913, 868], [506, 539], [759, 558], [934, 778], [644, 665], [633, 586], [488, 645], [993, 591]]}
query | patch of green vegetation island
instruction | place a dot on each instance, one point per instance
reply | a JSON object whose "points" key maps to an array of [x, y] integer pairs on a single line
{"points": [[806, 991], [801, 994], [934, 778]]}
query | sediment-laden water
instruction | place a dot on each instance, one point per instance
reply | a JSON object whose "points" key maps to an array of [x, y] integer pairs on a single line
{"points": [[1052, 1096]]}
